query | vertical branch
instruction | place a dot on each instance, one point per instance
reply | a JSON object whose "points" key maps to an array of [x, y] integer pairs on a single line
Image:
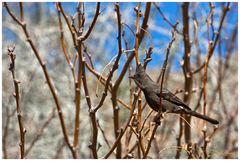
{"points": [[16, 83], [179, 137], [204, 130], [187, 74], [139, 122], [73, 33], [114, 91], [145, 22], [63, 45], [78, 94], [21, 11], [136, 46], [92, 113]]}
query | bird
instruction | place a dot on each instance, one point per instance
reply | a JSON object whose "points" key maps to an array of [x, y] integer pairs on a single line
{"points": [[170, 102]]}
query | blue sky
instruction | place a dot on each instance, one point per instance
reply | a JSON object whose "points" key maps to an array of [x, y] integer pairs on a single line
{"points": [[160, 40]]}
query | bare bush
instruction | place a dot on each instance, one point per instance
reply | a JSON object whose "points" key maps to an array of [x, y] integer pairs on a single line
{"points": [[76, 99]]}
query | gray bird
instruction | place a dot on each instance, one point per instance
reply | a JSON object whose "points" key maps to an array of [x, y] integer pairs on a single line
{"points": [[170, 102]]}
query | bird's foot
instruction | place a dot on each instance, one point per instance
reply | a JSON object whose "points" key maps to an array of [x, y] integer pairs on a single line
{"points": [[158, 118]]}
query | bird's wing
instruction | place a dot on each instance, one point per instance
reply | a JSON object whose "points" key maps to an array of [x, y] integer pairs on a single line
{"points": [[167, 95]]}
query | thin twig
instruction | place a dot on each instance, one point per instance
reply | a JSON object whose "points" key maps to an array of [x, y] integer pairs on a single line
{"points": [[16, 83], [93, 144], [165, 19], [83, 38]]}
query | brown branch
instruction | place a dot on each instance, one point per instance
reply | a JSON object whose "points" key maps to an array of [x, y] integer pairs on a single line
{"points": [[83, 38], [177, 156], [21, 11], [118, 139], [45, 71], [92, 113], [139, 122], [73, 33], [63, 45], [199, 100], [114, 91], [211, 5], [144, 25], [16, 83], [123, 130], [136, 46], [207, 139], [78, 95], [186, 66], [130, 58], [19, 22], [87, 54]]}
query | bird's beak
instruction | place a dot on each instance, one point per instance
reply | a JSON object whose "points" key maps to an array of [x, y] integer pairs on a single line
{"points": [[131, 77]]}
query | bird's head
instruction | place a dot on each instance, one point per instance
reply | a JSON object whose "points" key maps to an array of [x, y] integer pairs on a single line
{"points": [[139, 76]]}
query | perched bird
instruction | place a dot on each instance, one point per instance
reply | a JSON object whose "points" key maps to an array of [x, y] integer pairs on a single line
{"points": [[170, 102]]}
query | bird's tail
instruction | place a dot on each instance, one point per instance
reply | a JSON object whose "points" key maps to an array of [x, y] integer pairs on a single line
{"points": [[198, 115]]}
